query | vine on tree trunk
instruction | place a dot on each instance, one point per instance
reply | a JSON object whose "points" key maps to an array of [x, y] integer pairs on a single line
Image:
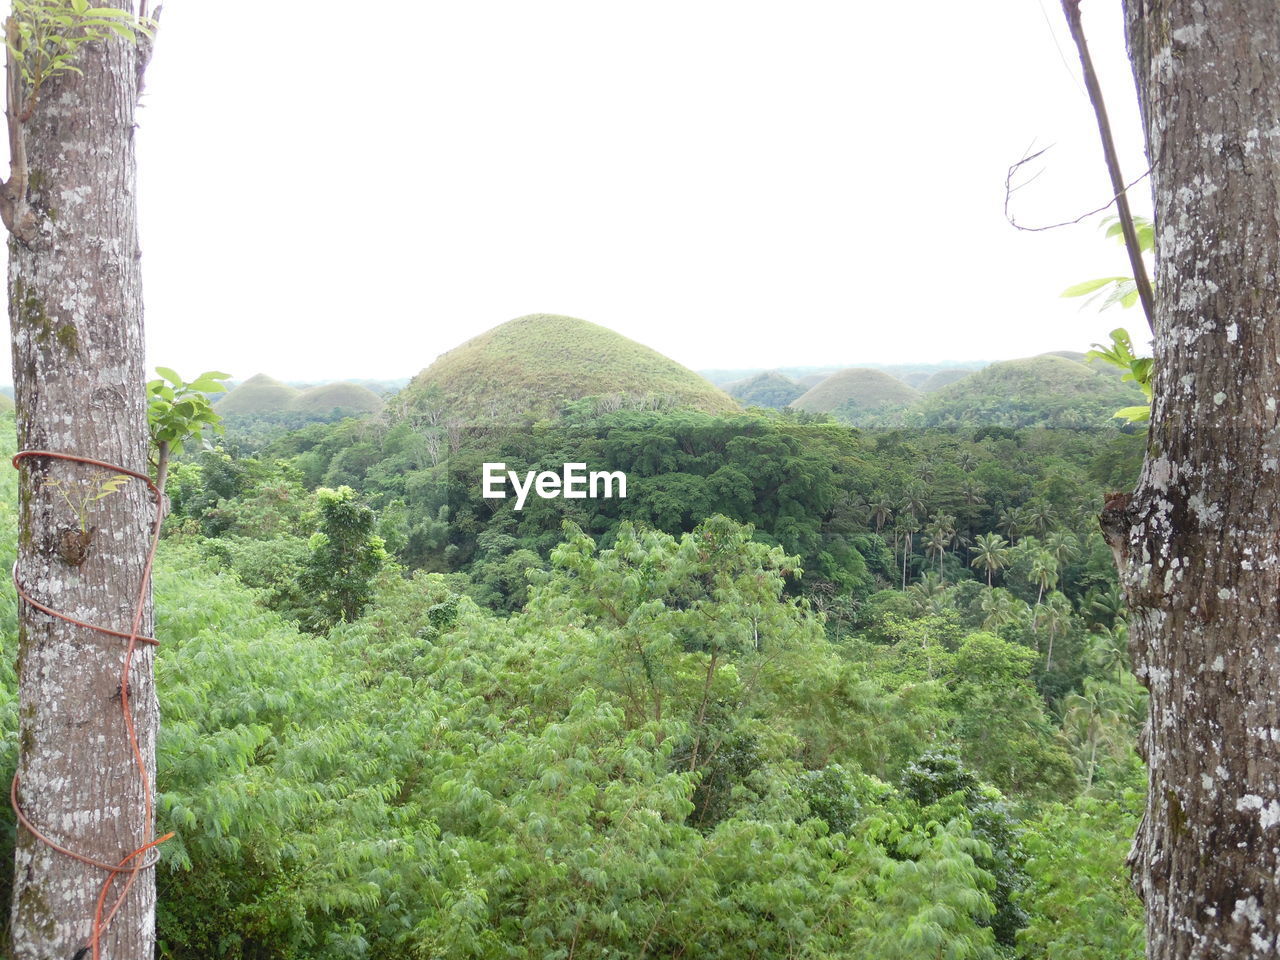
{"points": [[43, 39]]}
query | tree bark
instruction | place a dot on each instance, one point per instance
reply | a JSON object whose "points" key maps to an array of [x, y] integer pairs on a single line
{"points": [[75, 309], [1197, 543]]}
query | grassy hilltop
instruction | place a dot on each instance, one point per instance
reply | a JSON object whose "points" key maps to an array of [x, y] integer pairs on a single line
{"points": [[852, 394], [531, 367], [262, 395], [259, 394], [350, 397]]}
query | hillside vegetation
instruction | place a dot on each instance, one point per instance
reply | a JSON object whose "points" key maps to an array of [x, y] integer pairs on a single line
{"points": [[532, 367], [854, 394], [1044, 391], [768, 389]]}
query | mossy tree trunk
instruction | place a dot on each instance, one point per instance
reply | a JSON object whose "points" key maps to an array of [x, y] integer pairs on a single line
{"points": [[1198, 542], [75, 309]]}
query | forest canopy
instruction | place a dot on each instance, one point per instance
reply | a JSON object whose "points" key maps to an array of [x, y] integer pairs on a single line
{"points": [[806, 689]]}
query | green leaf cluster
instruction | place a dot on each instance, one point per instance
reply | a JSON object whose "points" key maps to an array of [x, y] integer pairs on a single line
{"points": [[179, 411], [44, 37], [1124, 291], [1140, 370], [1119, 290]]}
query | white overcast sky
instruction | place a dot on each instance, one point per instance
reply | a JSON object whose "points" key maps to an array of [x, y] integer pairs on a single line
{"points": [[334, 190]]}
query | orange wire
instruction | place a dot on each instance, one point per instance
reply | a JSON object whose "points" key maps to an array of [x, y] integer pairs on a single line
{"points": [[134, 637]]}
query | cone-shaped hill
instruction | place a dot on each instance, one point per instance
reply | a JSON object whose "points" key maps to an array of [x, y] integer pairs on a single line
{"points": [[6, 403], [943, 378], [1050, 390], [257, 395], [349, 398], [768, 389], [530, 368], [856, 394]]}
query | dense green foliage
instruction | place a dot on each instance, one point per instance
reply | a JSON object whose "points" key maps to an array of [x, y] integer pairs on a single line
{"points": [[530, 368], [1044, 391], [805, 692]]}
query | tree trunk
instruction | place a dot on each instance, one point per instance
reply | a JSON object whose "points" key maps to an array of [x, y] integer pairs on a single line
{"points": [[1197, 543], [75, 308]]}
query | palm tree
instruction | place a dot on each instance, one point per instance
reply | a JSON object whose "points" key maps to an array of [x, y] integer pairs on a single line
{"points": [[927, 595], [1040, 517], [1044, 570], [1107, 605], [1054, 617], [881, 511], [971, 493], [967, 461], [990, 553], [917, 500], [1109, 649], [941, 533], [1013, 522], [1000, 607], [936, 544], [1063, 546], [1093, 720], [905, 527]]}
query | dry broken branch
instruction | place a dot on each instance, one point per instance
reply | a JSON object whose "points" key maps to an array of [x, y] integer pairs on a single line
{"points": [[1010, 189]]}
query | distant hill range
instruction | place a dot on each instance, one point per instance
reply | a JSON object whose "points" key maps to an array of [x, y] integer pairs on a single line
{"points": [[263, 395], [912, 374], [531, 368], [782, 387], [536, 367], [1060, 389]]}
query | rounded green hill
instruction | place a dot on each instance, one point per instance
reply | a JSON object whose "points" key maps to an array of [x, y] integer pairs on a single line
{"points": [[943, 378], [768, 389], [1045, 391], [257, 395], [350, 398], [857, 393], [530, 368]]}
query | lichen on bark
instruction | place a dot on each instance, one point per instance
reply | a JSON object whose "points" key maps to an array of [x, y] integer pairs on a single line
{"points": [[1199, 549], [76, 323]]}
